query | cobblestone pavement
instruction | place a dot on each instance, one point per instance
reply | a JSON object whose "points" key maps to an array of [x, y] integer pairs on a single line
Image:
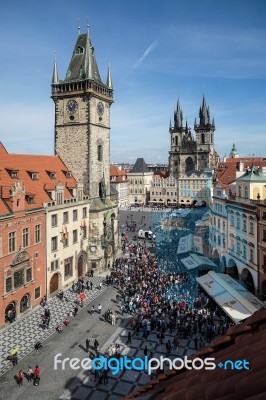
{"points": [[25, 332], [84, 386]]}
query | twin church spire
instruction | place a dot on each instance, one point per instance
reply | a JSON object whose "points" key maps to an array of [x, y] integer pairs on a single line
{"points": [[83, 64], [204, 118]]}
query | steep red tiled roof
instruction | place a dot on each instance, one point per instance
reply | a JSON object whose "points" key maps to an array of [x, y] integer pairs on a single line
{"points": [[245, 341], [25, 165], [116, 171], [226, 171]]}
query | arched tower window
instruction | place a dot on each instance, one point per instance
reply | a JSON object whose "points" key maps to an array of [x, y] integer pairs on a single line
{"points": [[202, 138], [100, 152], [176, 141], [189, 164], [79, 50]]}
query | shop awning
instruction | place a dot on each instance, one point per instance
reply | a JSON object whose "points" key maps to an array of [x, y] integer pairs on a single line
{"points": [[195, 260], [185, 244], [237, 302]]}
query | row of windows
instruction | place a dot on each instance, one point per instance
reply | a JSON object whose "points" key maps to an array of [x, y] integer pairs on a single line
{"points": [[18, 279], [237, 224], [193, 194], [54, 217], [12, 238], [218, 223], [236, 248], [136, 191], [68, 267], [66, 240], [60, 195], [219, 207], [167, 193], [159, 184], [135, 181], [246, 195], [220, 241]]}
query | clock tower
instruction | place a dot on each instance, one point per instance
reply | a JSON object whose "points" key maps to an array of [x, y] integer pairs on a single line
{"points": [[82, 140], [82, 118]]}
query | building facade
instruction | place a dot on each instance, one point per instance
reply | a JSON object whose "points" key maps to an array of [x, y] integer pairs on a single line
{"points": [[243, 228], [195, 186], [164, 191], [118, 179], [67, 243], [139, 183], [41, 246]]}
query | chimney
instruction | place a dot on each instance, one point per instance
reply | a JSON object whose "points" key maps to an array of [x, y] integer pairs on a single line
{"points": [[241, 166]]}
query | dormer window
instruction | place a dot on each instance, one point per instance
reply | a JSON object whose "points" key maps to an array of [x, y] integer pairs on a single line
{"points": [[68, 174], [52, 175], [34, 175], [30, 199], [79, 50], [14, 174]]}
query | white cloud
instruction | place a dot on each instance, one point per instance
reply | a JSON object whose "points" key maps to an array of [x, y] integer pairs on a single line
{"points": [[145, 54]]}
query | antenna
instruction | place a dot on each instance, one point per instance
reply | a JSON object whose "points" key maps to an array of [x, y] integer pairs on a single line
{"points": [[88, 25]]}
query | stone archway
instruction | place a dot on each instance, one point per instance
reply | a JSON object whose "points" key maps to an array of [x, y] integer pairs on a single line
{"points": [[216, 258], [11, 311], [247, 279], [232, 270], [223, 264], [263, 290], [54, 283], [81, 265], [25, 303]]}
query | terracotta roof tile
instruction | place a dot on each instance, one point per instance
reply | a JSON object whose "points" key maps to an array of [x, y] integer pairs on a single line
{"points": [[257, 317], [23, 163]]}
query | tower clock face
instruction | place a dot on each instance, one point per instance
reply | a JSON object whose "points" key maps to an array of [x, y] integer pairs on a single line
{"points": [[71, 107], [100, 108]]}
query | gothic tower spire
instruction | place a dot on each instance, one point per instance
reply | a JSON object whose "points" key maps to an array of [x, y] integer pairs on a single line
{"points": [[82, 117], [178, 117], [109, 78], [55, 78]]}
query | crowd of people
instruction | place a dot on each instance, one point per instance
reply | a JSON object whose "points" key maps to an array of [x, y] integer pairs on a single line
{"points": [[31, 375], [155, 299]]}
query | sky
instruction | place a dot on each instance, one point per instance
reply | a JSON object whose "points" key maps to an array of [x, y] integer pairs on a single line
{"points": [[159, 51]]}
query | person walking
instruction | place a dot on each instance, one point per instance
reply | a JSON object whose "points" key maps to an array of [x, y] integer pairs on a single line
{"points": [[176, 342], [14, 359], [105, 377], [30, 374], [168, 347], [96, 345], [91, 284], [75, 310], [99, 308], [145, 351], [37, 373], [87, 345], [20, 378], [129, 336]]}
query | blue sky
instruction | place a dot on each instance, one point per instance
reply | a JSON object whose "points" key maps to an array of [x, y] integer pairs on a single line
{"points": [[158, 50]]}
